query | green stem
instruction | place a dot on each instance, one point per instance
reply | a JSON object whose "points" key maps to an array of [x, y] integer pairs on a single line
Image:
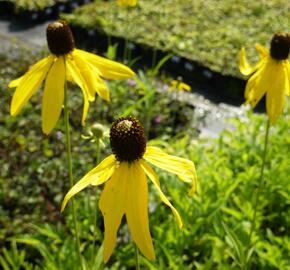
{"points": [[96, 199], [137, 258], [125, 52], [69, 165], [260, 181], [154, 57]]}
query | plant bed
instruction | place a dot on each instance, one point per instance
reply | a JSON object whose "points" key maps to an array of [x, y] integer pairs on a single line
{"points": [[205, 38], [37, 11], [213, 85]]}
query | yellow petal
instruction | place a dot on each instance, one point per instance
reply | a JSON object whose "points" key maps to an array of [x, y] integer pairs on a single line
{"points": [[112, 205], [36, 66], [181, 86], [182, 167], [254, 89], [29, 83], [251, 84], [137, 209], [96, 176], [288, 77], [94, 82], [15, 82], [107, 68], [263, 52], [154, 178], [245, 67], [262, 82], [124, 3], [86, 73], [275, 98], [102, 89], [53, 95], [184, 87], [75, 74]]}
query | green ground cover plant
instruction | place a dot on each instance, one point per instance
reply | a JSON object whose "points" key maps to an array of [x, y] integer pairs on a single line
{"points": [[34, 235], [208, 32], [28, 5]]}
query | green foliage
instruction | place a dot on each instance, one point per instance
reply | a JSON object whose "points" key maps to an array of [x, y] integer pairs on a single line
{"points": [[218, 220], [208, 32], [34, 5], [14, 259], [33, 180]]}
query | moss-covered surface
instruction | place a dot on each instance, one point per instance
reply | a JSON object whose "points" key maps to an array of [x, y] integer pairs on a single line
{"points": [[208, 32]]}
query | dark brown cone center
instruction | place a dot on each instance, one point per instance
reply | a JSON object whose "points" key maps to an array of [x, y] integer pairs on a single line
{"points": [[128, 141], [280, 46], [59, 38]]}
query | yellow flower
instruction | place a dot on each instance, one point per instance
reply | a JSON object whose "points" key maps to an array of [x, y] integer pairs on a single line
{"points": [[124, 3], [181, 86], [65, 62], [126, 191], [271, 75]]}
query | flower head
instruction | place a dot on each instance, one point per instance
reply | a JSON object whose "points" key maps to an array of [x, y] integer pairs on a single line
{"points": [[271, 75], [124, 3], [126, 193], [64, 63]]}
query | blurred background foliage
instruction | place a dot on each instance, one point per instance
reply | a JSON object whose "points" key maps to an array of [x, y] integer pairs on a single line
{"points": [[33, 175]]}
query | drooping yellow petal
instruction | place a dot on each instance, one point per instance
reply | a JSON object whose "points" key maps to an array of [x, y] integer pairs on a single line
{"points": [[261, 84], [264, 81], [105, 174], [102, 90], [15, 83], [154, 178], [107, 68], [137, 209], [288, 77], [29, 84], [182, 167], [53, 95], [275, 98], [94, 83], [75, 74], [251, 83], [112, 205], [263, 52], [244, 66], [86, 73], [96, 176]]}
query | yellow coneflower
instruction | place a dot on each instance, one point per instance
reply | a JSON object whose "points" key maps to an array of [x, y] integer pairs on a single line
{"points": [[65, 62], [271, 75], [124, 3], [126, 191], [179, 85]]}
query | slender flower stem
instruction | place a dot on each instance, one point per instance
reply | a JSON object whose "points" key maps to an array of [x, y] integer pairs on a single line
{"points": [[154, 57], [69, 165], [125, 52], [137, 258], [260, 181]]}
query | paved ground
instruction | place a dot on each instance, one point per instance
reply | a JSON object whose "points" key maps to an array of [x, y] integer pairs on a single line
{"points": [[33, 37], [29, 35]]}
